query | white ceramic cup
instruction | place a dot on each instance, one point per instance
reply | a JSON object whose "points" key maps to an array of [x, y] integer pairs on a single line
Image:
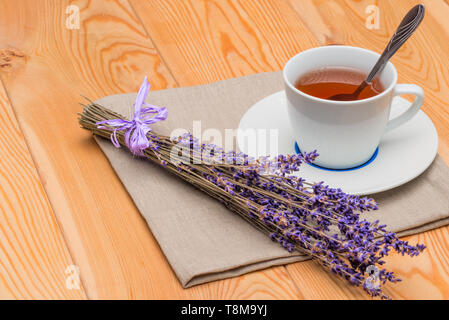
{"points": [[344, 133]]}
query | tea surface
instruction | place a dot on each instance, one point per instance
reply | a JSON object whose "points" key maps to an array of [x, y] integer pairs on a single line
{"points": [[326, 82]]}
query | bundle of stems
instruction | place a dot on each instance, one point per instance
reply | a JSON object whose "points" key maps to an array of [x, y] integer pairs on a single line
{"points": [[312, 218]]}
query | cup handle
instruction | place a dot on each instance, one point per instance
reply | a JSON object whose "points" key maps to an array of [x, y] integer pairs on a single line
{"points": [[414, 107]]}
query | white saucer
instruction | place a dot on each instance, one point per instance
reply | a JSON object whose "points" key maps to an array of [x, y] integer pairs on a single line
{"points": [[404, 153]]}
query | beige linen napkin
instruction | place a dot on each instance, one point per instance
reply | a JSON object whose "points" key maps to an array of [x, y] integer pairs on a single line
{"points": [[202, 240]]}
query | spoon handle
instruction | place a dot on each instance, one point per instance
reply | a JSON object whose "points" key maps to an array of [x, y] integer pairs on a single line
{"points": [[405, 29]]}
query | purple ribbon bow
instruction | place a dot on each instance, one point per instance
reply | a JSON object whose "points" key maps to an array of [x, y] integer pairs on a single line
{"points": [[137, 128]]}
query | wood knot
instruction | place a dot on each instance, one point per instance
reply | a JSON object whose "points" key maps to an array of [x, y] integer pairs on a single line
{"points": [[8, 57]]}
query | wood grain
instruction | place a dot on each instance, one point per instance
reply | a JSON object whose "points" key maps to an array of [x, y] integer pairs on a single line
{"points": [[110, 53], [204, 41], [33, 254], [422, 60]]}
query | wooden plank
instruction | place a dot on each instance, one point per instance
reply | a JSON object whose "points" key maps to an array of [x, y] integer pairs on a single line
{"points": [[33, 254], [204, 41], [422, 60], [110, 53]]}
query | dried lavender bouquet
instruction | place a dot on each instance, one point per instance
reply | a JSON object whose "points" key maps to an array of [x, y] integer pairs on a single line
{"points": [[312, 218]]}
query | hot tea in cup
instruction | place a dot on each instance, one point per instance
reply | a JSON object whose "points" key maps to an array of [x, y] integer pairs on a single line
{"points": [[344, 133], [327, 82]]}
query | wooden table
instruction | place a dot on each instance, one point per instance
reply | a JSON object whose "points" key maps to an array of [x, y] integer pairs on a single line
{"points": [[61, 204]]}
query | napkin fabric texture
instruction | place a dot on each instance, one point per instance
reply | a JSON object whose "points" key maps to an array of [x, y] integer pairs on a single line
{"points": [[202, 240]]}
